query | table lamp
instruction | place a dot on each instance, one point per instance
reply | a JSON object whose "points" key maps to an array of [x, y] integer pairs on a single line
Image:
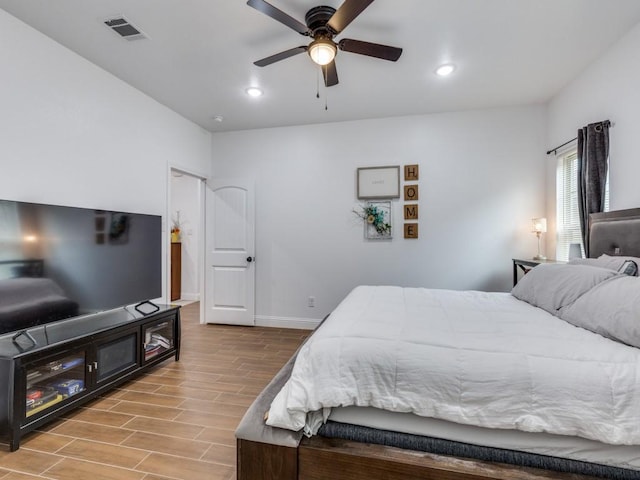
{"points": [[539, 227]]}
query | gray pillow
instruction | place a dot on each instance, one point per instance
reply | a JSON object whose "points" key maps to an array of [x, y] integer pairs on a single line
{"points": [[611, 309], [553, 286], [626, 265], [629, 267]]}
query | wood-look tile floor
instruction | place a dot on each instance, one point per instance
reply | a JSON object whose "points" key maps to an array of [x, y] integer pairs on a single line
{"points": [[175, 422]]}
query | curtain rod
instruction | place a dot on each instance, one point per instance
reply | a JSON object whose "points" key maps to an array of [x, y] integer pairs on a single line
{"points": [[554, 150]]}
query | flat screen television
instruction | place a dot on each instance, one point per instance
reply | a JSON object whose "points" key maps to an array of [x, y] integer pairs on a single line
{"points": [[59, 262]]}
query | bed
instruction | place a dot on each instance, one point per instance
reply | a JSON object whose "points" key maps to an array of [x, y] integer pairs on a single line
{"points": [[28, 299], [564, 404]]}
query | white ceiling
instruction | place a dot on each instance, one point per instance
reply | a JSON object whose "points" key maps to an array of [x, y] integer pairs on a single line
{"points": [[199, 57]]}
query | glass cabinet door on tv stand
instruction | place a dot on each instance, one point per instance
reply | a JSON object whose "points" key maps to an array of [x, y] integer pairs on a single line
{"points": [[115, 355], [53, 380], [158, 338]]}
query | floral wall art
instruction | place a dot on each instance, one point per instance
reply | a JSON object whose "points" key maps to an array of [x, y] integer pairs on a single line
{"points": [[377, 220]]}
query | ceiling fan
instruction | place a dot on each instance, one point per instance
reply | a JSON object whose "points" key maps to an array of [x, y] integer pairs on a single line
{"points": [[323, 24]]}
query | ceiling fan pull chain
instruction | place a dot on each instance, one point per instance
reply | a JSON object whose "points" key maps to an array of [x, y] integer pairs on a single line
{"points": [[326, 99], [318, 83]]}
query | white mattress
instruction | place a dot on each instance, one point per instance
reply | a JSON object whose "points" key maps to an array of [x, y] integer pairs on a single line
{"points": [[474, 358], [562, 446]]}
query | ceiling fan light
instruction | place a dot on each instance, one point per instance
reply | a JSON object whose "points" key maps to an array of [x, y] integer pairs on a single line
{"points": [[254, 92], [445, 70], [322, 51]]}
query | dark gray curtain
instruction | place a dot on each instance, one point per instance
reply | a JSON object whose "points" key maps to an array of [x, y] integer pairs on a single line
{"points": [[593, 162]]}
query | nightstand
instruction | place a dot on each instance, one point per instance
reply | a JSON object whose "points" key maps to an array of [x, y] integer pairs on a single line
{"points": [[526, 265]]}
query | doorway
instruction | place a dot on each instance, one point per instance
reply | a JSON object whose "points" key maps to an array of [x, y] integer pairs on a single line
{"points": [[185, 222]]}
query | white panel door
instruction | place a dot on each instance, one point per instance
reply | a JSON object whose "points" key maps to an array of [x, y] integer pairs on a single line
{"points": [[230, 277]]}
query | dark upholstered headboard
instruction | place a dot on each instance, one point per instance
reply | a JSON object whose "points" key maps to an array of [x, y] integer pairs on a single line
{"points": [[615, 233]]}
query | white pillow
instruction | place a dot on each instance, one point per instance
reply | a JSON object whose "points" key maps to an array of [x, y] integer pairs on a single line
{"points": [[553, 286], [611, 309]]}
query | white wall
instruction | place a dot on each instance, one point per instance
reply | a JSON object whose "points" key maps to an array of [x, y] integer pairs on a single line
{"points": [[73, 134], [481, 182], [608, 89]]}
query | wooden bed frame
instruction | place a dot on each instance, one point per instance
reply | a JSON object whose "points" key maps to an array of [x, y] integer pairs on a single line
{"points": [[320, 458]]}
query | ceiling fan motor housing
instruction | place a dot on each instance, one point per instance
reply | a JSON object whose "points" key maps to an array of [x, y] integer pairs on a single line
{"points": [[317, 18]]}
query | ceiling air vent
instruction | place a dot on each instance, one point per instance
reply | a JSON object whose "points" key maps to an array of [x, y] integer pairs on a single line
{"points": [[123, 27]]}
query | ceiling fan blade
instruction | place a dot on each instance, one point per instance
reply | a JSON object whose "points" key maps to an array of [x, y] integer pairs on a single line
{"points": [[280, 56], [279, 15], [347, 12], [330, 74], [384, 52]]}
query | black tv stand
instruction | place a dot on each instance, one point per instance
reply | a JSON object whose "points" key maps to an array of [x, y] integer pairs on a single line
{"points": [[46, 371]]}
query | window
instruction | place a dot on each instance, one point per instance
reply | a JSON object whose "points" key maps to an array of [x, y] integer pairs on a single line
{"points": [[568, 217]]}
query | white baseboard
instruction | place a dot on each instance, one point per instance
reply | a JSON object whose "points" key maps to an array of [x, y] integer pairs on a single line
{"points": [[194, 297], [287, 322]]}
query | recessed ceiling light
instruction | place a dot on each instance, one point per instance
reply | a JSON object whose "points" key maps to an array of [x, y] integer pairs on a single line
{"points": [[254, 92], [446, 69]]}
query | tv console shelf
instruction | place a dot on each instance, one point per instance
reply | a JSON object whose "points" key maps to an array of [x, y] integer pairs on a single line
{"points": [[48, 370]]}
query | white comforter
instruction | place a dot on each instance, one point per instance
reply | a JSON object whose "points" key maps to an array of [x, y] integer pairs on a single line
{"points": [[484, 359]]}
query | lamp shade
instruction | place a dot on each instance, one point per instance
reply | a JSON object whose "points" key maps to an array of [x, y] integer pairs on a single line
{"points": [[539, 225], [322, 51]]}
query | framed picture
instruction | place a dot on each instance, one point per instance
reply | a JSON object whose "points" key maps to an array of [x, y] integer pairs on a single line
{"points": [[379, 182], [377, 221]]}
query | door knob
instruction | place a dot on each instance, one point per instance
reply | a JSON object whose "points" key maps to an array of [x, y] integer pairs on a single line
{"points": [[250, 259]]}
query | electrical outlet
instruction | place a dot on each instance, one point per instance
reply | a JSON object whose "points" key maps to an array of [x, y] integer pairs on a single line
{"points": [[311, 302]]}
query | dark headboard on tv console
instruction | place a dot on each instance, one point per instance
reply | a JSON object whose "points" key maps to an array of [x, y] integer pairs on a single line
{"points": [[21, 268]]}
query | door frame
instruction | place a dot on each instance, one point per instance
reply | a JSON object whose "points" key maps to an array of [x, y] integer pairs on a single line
{"points": [[202, 180]]}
